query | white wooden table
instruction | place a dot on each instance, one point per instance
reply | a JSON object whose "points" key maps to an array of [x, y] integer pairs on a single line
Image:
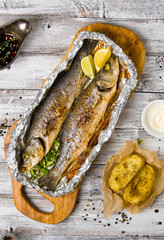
{"points": [[54, 26]]}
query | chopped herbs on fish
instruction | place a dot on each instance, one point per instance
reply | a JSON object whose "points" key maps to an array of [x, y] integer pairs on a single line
{"points": [[49, 160]]}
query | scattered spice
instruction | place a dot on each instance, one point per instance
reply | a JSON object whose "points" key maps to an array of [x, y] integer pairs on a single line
{"points": [[11, 229], [122, 218], [1, 133], [3, 126], [156, 210], [159, 223]]}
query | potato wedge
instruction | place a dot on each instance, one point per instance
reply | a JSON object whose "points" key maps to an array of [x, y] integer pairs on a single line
{"points": [[140, 187], [125, 171]]}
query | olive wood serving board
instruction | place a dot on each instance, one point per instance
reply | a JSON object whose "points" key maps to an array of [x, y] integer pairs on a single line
{"points": [[64, 205]]}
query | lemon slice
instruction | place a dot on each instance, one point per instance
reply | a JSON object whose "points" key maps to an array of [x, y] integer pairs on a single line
{"points": [[100, 58], [87, 65]]}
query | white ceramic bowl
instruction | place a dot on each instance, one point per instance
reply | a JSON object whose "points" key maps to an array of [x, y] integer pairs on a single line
{"points": [[144, 122]]}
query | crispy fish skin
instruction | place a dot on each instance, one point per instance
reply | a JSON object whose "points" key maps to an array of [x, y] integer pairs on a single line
{"points": [[82, 123], [51, 114]]}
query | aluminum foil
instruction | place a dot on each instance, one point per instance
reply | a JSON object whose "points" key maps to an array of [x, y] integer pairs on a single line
{"points": [[22, 126]]}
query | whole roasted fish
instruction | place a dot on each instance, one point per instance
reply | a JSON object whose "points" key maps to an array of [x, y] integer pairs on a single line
{"points": [[51, 114], [83, 121]]}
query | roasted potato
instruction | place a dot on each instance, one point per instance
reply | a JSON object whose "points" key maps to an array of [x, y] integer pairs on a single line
{"points": [[125, 171], [140, 187]]}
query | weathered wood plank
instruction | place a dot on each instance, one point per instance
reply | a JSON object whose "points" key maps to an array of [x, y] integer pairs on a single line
{"points": [[123, 237], [48, 33], [14, 107], [77, 8], [29, 71], [139, 224]]}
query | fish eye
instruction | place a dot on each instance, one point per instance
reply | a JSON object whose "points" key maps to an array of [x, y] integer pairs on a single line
{"points": [[26, 156], [106, 67]]}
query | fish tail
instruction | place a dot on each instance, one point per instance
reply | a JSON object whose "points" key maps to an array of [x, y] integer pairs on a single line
{"points": [[49, 182]]}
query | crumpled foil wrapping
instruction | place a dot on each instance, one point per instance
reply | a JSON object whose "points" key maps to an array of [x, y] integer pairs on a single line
{"points": [[22, 126]]}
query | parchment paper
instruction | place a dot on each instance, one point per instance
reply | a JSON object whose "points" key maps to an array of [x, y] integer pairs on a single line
{"points": [[114, 201]]}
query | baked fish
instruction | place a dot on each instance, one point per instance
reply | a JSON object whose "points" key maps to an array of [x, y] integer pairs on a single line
{"points": [[83, 121], [49, 117]]}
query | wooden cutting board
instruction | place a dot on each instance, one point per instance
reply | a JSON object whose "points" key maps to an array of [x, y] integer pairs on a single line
{"points": [[64, 205]]}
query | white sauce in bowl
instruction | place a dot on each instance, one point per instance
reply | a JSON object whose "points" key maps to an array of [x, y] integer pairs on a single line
{"points": [[155, 118]]}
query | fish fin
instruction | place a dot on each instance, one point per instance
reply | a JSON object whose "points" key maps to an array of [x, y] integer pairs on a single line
{"points": [[49, 182]]}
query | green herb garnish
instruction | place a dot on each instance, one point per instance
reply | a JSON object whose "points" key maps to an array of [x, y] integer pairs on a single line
{"points": [[47, 162], [44, 171], [141, 141]]}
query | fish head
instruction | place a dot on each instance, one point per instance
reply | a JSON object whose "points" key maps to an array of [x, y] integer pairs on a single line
{"points": [[32, 154], [108, 75]]}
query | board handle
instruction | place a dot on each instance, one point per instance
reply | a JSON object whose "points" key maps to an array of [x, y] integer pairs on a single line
{"points": [[63, 205]]}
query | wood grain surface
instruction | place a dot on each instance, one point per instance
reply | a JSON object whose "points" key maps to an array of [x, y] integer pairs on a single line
{"points": [[64, 205], [60, 20]]}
